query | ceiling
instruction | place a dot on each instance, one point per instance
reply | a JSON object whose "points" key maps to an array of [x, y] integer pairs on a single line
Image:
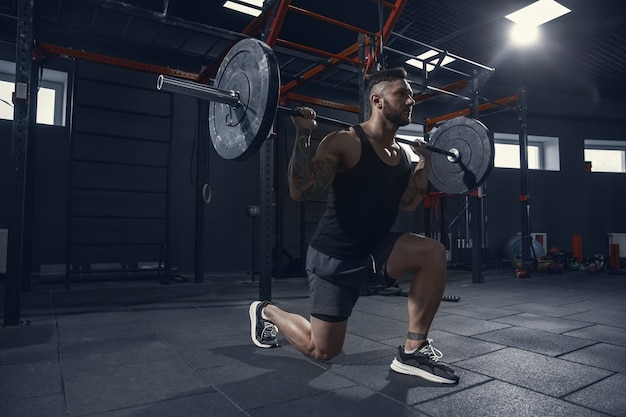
{"points": [[582, 53]]}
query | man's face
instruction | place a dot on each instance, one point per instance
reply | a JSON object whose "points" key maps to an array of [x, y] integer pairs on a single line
{"points": [[397, 102]]}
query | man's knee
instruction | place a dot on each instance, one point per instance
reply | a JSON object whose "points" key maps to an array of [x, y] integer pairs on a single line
{"points": [[325, 354]]}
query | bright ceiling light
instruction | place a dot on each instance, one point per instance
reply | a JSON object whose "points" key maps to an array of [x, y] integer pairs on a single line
{"points": [[524, 35], [417, 62], [255, 3], [538, 13], [252, 11]]}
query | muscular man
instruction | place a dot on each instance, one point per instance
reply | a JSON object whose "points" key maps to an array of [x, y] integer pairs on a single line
{"points": [[370, 177]]}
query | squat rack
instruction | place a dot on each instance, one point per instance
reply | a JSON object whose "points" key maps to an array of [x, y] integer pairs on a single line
{"points": [[368, 51]]}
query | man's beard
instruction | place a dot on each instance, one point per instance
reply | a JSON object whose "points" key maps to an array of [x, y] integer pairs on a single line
{"points": [[396, 118]]}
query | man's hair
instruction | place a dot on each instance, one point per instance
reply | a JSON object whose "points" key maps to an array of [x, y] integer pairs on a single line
{"points": [[390, 74]]}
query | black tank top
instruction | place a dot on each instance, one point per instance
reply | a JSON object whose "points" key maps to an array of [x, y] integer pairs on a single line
{"points": [[362, 204]]}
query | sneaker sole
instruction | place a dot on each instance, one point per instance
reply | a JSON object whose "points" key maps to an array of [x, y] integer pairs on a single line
{"points": [[402, 368], [253, 321]]}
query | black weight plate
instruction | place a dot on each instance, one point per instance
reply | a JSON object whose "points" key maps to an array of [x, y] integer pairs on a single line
{"points": [[474, 142], [249, 68]]}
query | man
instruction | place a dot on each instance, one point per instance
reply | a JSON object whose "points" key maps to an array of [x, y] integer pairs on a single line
{"points": [[370, 177]]}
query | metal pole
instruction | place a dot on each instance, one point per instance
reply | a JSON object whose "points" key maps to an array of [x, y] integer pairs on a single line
{"points": [[22, 128], [524, 192], [279, 187], [202, 169], [265, 227], [476, 212], [70, 181]]}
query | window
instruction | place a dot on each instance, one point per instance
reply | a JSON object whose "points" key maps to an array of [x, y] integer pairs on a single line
{"points": [[606, 155], [543, 152], [50, 97], [410, 132]]}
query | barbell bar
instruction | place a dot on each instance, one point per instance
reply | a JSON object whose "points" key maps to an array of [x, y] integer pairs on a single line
{"points": [[452, 154], [243, 102]]}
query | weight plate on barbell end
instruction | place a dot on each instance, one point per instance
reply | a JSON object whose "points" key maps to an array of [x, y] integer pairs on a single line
{"points": [[250, 69], [474, 142]]}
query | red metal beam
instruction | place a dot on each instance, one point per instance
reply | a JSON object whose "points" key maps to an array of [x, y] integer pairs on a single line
{"points": [[328, 20], [320, 102], [44, 48], [294, 45], [394, 15], [349, 52], [277, 22], [506, 101]]}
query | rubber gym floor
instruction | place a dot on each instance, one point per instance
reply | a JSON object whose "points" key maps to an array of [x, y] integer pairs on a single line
{"points": [[550, 345]]}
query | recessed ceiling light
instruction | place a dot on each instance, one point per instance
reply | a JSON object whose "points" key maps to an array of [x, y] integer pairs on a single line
{"points": [[417, 62], [538, 13], [255, 10], [522, 35]]}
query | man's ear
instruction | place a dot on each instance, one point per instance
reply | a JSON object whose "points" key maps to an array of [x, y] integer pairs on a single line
{"points": [[377, 101]]}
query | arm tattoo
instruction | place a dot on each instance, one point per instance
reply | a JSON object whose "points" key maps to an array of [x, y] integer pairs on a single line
{"points": [[310, 177], [416, 189]]}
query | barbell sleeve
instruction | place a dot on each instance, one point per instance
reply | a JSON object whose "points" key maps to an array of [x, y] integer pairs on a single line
{"points": [[197, 90]]}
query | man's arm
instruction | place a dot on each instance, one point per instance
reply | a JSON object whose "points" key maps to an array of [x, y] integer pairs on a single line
{"points": [[310, 177], [418, 183]]}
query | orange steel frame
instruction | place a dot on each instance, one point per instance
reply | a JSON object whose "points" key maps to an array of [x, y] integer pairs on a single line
{"points": [[350, 54], [276, 15], [45, 48], [429, 123]]}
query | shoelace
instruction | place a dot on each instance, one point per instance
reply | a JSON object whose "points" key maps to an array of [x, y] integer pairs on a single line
{"points": [[269, 331], [433, 353]]}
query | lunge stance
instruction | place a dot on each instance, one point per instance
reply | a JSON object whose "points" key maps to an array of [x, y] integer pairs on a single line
{"points": [[370, 178]]}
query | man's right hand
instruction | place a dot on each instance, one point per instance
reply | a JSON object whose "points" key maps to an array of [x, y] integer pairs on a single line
{"points": [[306, 120]]}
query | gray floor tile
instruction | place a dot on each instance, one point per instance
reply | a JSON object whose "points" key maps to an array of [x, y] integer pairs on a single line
{"points": [[29, 380], [551, 376], [111, 388], [476, 311], [599, 332], [375, 327], [39, 406], [497, 399], [545, 323], [211, 404], [273, 380], [36, 342], [606, 396], [546, 309], [602, 315], [465, 326], [602, 355], [546, 343], [347, 402], [79, 356]]}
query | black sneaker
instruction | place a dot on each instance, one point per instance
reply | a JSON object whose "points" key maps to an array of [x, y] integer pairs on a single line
{"points": [[425, 364], [263, 332]]}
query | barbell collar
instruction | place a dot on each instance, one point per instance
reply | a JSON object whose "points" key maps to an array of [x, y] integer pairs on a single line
{"points": [[197, 90]]}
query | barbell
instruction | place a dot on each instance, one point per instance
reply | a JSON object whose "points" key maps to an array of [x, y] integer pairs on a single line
{"points": [[243, 102]]}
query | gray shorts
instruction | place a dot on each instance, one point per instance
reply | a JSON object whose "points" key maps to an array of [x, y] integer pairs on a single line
{"points": [[335, 284]]}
